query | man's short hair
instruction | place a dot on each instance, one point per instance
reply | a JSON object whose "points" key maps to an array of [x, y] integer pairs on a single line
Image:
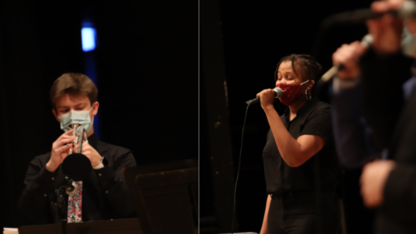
{"points": [[73, 84]]}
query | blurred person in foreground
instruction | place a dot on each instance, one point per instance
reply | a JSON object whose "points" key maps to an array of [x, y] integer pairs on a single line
{"points": [[104, 194], [300, 162], [389, 107]]}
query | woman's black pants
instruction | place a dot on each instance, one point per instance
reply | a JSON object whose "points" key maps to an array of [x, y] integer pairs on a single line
{"points": [[304, 213]]}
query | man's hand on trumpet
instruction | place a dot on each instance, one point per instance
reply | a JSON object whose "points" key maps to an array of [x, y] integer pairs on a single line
{"points": [[87, 150], [60, 150]]}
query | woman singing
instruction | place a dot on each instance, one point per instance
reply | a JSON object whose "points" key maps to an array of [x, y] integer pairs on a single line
{"points": [[300, 162]]}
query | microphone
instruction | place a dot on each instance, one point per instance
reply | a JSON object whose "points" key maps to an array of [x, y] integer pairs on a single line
{"points": [[366, 42], [278, 93], [406, 11]]}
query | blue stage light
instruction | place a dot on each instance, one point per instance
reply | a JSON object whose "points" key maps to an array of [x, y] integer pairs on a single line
{"points": [[88, 35]]}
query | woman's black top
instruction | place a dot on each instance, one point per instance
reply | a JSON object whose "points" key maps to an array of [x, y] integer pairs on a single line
{"points": [[320, 171]]}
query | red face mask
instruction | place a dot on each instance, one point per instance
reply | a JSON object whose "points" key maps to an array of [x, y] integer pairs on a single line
{"points": [[291, 92]]}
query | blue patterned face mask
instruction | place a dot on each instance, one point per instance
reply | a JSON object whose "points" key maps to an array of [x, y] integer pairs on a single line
{"points": [[80, 117]]}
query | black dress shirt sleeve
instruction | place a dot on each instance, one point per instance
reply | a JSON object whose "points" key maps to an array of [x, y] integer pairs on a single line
{"points": [[112, 182], [382, 80], [400, 193], [35, 200]]}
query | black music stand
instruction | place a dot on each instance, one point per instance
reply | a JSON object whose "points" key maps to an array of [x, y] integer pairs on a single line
{"points": [[166, 196], [118, 226]]}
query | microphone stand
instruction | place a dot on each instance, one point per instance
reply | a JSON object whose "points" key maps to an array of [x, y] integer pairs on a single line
{"points": [[61, 204]]}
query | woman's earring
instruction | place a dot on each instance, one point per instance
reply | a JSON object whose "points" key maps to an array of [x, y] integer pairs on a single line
{"points": [[306, 94]]}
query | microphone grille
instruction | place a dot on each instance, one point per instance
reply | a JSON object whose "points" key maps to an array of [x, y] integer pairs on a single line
{"points": [[279, 92], [407, 10], [367, 40]]}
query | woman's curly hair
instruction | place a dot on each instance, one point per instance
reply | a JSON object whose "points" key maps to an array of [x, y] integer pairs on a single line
{"points": [[312, 68]]}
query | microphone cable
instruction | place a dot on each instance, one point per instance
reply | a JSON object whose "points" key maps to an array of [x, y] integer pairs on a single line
{"points": [[238, 169]]}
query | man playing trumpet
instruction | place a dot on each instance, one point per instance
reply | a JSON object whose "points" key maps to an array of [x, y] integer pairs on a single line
{"points": [[104, 194]]}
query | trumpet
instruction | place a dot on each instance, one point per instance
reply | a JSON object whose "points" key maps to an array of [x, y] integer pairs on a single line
{"points": [[80, 136]]}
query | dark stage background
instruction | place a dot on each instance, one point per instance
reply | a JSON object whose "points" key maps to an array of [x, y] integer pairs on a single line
{"points": [[147, 70], [253, 37]]}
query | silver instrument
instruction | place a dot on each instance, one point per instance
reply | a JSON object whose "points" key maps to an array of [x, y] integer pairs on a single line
{"points": [[80, 136]]}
